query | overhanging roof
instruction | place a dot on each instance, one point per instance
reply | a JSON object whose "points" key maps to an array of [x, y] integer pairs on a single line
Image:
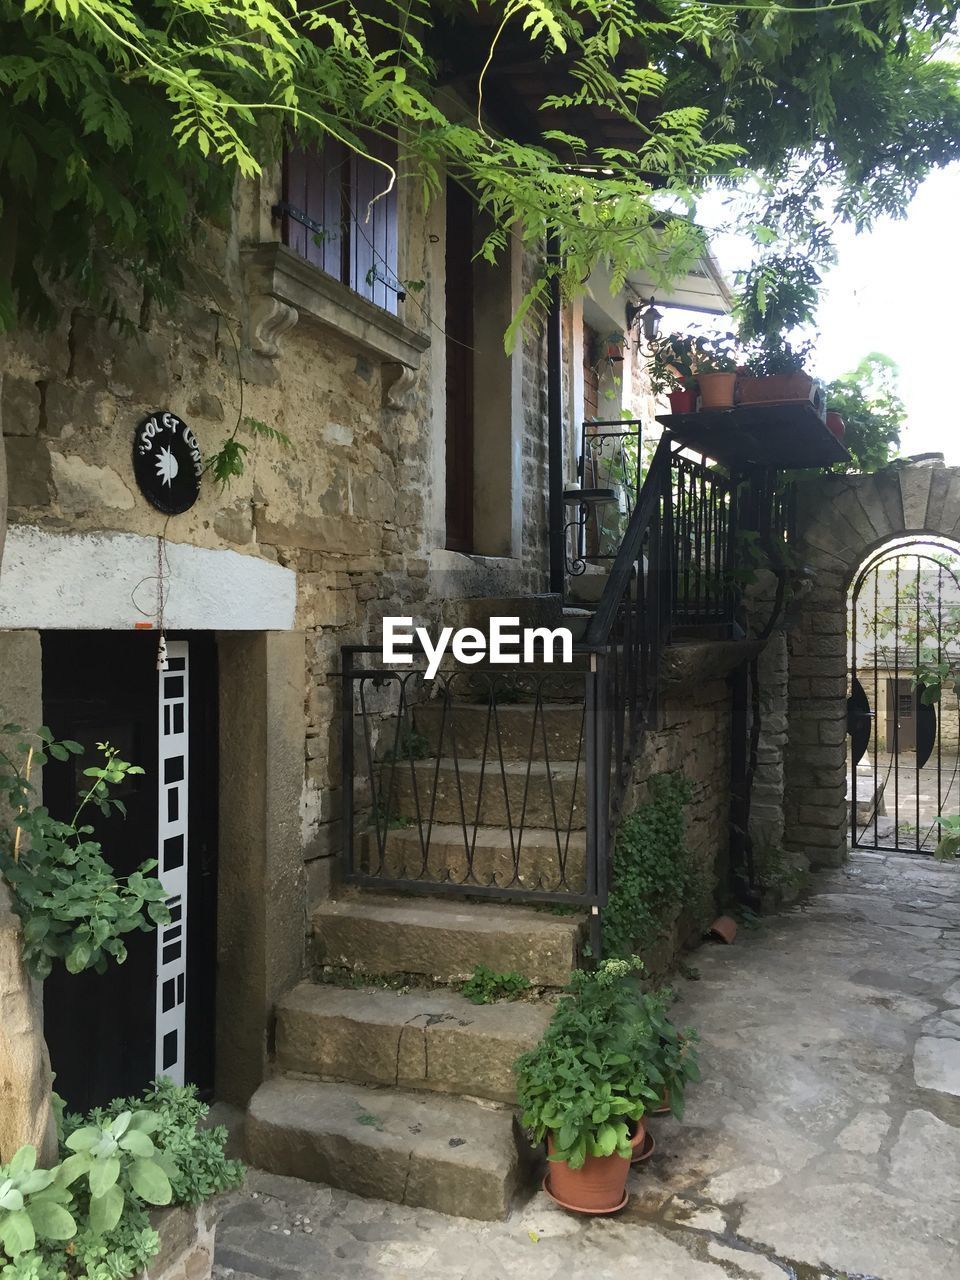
{"points": [[703, 289]]}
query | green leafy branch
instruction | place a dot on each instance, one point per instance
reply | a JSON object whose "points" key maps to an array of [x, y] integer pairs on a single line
{"points": [[73, 905]]}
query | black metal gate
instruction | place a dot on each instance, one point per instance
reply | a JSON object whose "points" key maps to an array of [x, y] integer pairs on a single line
{"points": [[903, 710]]}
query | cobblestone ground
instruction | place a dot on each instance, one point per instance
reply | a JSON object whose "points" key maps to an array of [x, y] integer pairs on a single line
{"points": [[823, 1142]]}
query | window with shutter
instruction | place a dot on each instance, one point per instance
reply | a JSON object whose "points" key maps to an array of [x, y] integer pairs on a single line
{"points": [[335, 216]]}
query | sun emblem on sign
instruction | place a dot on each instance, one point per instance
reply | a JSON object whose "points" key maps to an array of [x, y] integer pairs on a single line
{"points": [[167, 466]]}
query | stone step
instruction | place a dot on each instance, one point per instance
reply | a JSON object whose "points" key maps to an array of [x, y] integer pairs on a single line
{"points": [[516, 729], [542, 795], [420, 1039], [415, 1149], [577, 620], [445, 940], [476, 611], [532, 859]]}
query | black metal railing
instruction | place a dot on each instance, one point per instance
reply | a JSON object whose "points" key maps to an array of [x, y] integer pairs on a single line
{"points": [[508, 783], [478, 782], [703, 530], [609, 459]]}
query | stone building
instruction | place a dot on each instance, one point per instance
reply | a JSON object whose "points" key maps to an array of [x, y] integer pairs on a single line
{"points": [[416, 476]]}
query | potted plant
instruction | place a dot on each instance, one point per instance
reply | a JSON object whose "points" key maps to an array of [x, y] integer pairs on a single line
{"points": [[672, 1060], [671, 372], [584, 1088], [775, 373], [714, 361]]}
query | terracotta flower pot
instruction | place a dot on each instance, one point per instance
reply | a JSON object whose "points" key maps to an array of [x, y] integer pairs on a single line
{"points": [[836, 424], [642, 1142], [724, 929], [682, 401], [774, 388], [599, 1186], [716, 390]]}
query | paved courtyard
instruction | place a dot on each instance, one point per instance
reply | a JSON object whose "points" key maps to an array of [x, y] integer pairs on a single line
{"points": [[824, 1141]]}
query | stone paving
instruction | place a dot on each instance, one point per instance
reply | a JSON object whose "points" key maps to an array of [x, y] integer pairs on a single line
{"points": [[823, 1142]]}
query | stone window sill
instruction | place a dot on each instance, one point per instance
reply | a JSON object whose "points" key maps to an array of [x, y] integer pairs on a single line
{"points": [[282, 287]]}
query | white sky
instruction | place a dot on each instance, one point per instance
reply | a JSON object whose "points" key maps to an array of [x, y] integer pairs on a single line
{"points": [[895, 289]]}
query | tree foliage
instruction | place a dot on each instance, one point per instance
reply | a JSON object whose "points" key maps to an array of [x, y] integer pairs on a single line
{"points": [[124, 122], [868, 400]]}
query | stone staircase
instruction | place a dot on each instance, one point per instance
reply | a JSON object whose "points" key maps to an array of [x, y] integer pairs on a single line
{"points": [[406, 1095]]}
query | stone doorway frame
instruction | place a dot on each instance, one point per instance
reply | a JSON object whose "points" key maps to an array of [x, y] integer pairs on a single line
{"points": [[81, 581]]}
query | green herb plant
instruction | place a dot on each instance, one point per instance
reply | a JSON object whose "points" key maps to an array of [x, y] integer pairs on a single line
{"points": [[652, 875], [715, 353], [485, 985], [87, 1216], [673, 1061], [588, 1081], [73, 905], [948, 846], [117, 1159], [671, 367], [32, 1204]]}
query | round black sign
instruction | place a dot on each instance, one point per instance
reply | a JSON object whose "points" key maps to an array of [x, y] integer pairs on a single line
{"points": [[167, 462]]}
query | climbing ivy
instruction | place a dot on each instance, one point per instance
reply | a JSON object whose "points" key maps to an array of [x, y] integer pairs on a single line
{"points": [[652, 875]]}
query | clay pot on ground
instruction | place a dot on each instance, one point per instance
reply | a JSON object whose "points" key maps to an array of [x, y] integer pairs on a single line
{"points": [[598, 1186], [663, 1106], [836, 424], [645, 1147], [682, 401], [775, 388], [724, 929], [716, 390]]}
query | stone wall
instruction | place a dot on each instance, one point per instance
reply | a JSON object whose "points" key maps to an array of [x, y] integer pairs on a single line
{"points": [[693, 738], [766, 808], [354, 506]]}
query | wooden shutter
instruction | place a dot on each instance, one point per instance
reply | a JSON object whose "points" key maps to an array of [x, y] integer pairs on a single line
{"points": [[313, 182], [373, 258], [459, 350], [336, 188]]}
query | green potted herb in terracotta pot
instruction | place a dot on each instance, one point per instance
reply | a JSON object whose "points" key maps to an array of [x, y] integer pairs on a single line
{"points": [[584, 1091], [714, 361], [775, 373], [672, 1061], [671, 372]]}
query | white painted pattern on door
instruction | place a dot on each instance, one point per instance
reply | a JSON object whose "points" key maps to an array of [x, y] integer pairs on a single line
{"points": [[173, 857]]}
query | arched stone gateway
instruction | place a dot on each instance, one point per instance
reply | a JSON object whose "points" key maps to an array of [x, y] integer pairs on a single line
{"points": [[841, 520]]}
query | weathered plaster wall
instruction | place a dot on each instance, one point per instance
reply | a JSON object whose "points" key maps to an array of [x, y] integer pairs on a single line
{"points": [[841, 519]]}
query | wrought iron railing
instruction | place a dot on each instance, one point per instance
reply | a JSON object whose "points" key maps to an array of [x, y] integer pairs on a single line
{"points": [[508, 783], [478, 782], [609, 459]]}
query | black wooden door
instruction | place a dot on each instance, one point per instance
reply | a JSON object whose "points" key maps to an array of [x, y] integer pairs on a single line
{"points": [[101, 1029]]}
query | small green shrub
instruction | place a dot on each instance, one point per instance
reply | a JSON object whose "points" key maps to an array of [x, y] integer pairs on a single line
{"points": [[484, 985], [74, 907], [652, 875], [87, 1216]]}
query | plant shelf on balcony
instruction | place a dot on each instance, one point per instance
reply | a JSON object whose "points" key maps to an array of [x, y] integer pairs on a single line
{"points": [[787, 436]]}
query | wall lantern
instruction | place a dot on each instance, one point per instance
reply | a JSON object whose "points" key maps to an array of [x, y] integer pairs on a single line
{"points": [[649, 318]]}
